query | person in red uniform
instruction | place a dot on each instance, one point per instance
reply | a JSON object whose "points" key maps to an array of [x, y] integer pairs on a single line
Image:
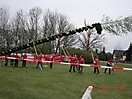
{"points": [[12, 60], [6, 60], [39, 57], [52, 59], [110, 63], [81, 61], [24, 61], [76, 61], [16, 60], [96, 69], [72, 61]]}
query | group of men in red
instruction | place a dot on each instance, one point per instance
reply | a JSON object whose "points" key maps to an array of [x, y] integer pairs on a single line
{"points": [[14, 62], [75, 61]]}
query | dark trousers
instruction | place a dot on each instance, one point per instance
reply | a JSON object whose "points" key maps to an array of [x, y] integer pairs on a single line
{"points": [[51, 65], [108, 68], [77, 67], [11, 62], [96, 69], [72, 67], [24, 63], [16, 63], [80, 69], [39, 63], [6, 62]]}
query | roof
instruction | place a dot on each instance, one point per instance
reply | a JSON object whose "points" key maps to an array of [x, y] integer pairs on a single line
{"points": [[118, 53]]}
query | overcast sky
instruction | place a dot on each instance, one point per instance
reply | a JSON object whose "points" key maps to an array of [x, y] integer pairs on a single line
{"points": [[78, 10]]}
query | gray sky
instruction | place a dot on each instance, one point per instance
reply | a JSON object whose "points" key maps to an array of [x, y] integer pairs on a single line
{"points": [[78, 10]]}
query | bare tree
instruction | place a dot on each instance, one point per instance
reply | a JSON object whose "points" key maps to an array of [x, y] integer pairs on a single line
{"points": [[64, 26], [33, 23], [18, 28], [96, 40], [5, 27], [54, 22]]}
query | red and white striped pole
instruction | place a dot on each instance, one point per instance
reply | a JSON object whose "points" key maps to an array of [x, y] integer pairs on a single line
{"points": [[66, 63]]}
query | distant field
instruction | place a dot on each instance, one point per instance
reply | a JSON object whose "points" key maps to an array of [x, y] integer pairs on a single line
{"points": [[57, 83]]}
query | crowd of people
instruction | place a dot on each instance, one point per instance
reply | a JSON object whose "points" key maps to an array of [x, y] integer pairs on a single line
{"points": [[73, 60]]}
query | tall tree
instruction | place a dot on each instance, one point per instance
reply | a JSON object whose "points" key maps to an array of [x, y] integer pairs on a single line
{"points": [[33, 23], [54, 22], [18, 28]]}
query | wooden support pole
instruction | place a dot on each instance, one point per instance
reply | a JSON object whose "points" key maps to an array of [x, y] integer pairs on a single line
{"points": [[36, 51], [63, 47]]}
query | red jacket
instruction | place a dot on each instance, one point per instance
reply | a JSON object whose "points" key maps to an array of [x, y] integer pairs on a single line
{"points": [[81, 61], [40, 57], [16, 56], [6, 57], [96, 61], [24, 56], [110, 61], [73, 59], [13, 55]]}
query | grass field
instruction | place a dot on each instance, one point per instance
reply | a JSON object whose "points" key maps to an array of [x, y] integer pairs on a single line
{"points": [[57, 83]]}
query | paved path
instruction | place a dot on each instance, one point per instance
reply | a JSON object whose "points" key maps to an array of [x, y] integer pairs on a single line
{"points": [[119, 63]]}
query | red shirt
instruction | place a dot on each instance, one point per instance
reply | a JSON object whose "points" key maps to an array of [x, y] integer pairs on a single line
{"points": [[81, 61], [110, 61], [24, 56], [13, 55], [40, 57], [96, 61], [16, 56], [6, 57], [72, 59]]}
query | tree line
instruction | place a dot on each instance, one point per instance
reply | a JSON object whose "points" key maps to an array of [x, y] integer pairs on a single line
{"points": [[35, 24]]}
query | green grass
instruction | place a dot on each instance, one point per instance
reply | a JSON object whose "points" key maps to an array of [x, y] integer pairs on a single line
{"points": [[57, 83]]}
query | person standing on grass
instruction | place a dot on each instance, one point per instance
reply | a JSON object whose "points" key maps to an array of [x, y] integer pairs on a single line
{"points": [[96, 69], [24, 61], [39, 57], [76, 61], [12, 60], [6, 60], [72, 61], [16, 60], [81, 61], [110, 63]]}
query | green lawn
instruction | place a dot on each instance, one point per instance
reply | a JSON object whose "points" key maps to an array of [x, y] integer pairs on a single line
{"points": [[57, 83]]}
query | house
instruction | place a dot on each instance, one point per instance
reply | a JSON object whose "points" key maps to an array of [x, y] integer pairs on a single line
{"points": [[123, 55], [119, 55]]}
